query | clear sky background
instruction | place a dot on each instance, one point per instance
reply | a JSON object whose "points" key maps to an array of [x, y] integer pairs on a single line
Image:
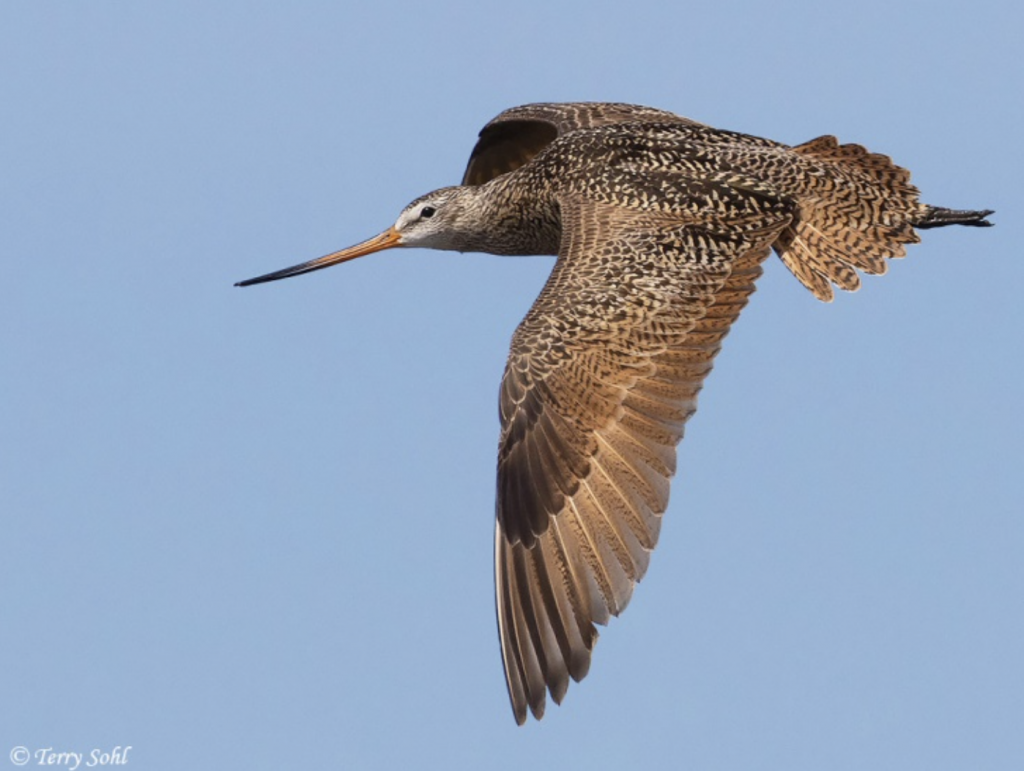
{"points": [[251, 528]]}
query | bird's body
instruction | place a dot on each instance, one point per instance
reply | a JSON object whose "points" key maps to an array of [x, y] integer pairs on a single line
{"points": [[660, 225]]}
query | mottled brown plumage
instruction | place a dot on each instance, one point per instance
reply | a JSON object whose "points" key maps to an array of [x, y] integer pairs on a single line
{"points": [[660, 225]]}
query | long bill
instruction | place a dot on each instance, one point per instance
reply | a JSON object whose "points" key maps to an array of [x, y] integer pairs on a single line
{"points": [[386, 240]]}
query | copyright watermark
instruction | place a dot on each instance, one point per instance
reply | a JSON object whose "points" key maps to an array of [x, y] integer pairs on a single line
{"points": [[48, 756]]}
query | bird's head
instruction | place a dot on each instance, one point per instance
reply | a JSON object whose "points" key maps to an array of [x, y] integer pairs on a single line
{"points": [[437, 220], [434, 220]]}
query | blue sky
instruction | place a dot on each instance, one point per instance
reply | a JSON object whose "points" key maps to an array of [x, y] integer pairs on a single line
{"points": [[252, 528]]}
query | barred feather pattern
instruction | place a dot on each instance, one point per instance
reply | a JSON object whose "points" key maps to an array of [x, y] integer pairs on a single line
{"points": [[583, 482], [856, 210], [660, 225]]}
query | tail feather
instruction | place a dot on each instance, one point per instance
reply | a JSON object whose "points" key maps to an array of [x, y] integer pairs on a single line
{"points": [[816, 261], [857, 210]]}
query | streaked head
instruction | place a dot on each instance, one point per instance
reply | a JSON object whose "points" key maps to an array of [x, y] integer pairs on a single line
{"points": [[431, 222]]}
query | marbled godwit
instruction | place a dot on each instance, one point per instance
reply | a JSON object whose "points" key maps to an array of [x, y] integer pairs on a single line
{"points": [[660, 225]]}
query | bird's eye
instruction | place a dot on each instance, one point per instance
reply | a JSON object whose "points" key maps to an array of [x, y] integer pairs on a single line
{"points": [[427, 212]]}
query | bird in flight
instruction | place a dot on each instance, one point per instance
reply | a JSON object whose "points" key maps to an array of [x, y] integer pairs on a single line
{"points": [[660, 225]]}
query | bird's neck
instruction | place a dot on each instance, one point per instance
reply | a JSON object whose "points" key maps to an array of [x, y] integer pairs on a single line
{"points": [[518, 219]]}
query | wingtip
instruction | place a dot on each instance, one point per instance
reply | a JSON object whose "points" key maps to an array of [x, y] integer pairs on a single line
{"points": [[579, 664], [520, 714], [537, 708]]}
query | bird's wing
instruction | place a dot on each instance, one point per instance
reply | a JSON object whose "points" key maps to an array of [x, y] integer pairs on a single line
{"points": [[515, 136], [602, 375]]}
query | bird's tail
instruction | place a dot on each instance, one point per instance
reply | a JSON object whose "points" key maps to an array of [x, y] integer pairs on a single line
{"points": [[857, 210]]}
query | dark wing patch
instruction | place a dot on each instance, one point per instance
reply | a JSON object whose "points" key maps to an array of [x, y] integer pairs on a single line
{"points": [[504, 147], [517, 135]]}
